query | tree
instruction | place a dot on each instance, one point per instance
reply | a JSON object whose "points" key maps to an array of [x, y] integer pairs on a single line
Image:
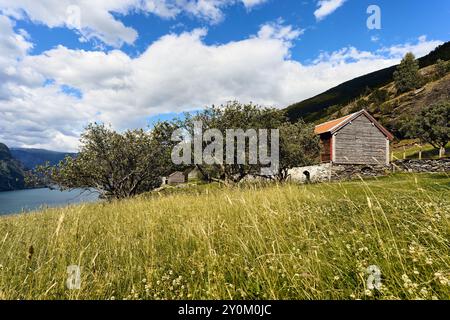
{"points": [[233, 115], [432, 126], [299, 146], [441, 68], [116, 165], [407, 76]]}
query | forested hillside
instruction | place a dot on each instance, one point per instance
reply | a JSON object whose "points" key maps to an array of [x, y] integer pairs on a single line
{"points": [[31, 158], [11, 172], [331, 101]]}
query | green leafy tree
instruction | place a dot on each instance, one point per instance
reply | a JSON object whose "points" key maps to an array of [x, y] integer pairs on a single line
{"points": [[407, 76], [233, 115], [116, 165], [432, 125], [299, 146]]}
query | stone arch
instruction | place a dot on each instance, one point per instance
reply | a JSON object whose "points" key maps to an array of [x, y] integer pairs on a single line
{"points": [[307, 176]]}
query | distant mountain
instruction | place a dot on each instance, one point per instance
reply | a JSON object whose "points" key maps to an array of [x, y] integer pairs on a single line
{"points": [[11, 171], [315, 108], [31, 158]]}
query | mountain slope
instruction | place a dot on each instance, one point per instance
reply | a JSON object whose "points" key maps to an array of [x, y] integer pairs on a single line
{"points": [[31, 158], [11, 172], [313, 109], [392, 109]]}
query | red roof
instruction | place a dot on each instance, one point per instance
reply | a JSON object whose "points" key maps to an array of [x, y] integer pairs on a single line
{"points": [[335, 125], [327, 126]]}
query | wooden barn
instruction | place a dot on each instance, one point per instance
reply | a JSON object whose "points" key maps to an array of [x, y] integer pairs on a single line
{"points": [[180, 177], [354, 139], [177, 177]]}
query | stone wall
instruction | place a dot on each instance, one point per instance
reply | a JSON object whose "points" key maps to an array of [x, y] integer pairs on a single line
{"points": [[318, 173], [336, 172], [425, 165], [356, 171], [339, 172]]}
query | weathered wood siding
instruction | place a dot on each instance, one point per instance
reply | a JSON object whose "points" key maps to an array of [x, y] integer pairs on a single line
{"points": [[176, 178], [360, 142]]}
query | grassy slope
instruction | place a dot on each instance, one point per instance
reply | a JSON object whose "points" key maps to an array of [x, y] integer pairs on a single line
{"points": [[276, 242], [410, 149]]}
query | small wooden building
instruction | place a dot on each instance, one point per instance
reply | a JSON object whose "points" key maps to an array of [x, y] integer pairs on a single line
{"points": [[177, 177], [354, 139], [194, 174]]}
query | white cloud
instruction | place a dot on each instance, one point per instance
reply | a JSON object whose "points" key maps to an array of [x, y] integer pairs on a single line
{"points": [[419, 49], [279, 31], [14, 47], [178, 72], [327, 7], [252, 3], [95, 20], [92, 19]]}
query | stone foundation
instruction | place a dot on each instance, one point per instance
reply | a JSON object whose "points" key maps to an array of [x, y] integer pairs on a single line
{"points": [[356, 171], [339, 172], [336, 172]]}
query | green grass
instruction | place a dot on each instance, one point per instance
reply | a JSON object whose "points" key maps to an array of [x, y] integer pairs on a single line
{"points": [[267, 242]]}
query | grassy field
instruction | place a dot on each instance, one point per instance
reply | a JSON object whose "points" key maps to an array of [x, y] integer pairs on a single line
{"points": [[266, 242]]}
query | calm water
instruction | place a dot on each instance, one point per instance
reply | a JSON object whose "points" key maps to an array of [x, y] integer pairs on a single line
{"points": [[33, 199]]}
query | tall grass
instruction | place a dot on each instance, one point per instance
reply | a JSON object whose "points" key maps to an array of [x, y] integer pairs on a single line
{"points": [[267, 242]]}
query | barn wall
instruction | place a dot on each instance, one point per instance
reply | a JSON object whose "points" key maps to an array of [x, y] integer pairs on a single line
{"points": [[360, 142]]}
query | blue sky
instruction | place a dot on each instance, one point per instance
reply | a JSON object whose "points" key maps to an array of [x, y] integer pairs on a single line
{"points": [[66, 63], [402, 21]]}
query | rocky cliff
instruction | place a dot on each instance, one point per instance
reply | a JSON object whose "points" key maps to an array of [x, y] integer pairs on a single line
{"points": [[11, 172]]}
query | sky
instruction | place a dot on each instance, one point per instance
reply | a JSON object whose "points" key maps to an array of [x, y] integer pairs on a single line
{"points": [[130, 63]]}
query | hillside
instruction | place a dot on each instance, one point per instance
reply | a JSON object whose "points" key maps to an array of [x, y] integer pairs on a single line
{"points": [[31, 158], [392, 109], [317, 107], [248, 242], [11, 172]]}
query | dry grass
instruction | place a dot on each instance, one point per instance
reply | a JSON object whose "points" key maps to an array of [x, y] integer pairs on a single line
{"points": [[267, 242]]}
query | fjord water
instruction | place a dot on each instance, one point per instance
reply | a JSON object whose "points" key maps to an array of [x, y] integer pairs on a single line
{"points": [[34, 199]]}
